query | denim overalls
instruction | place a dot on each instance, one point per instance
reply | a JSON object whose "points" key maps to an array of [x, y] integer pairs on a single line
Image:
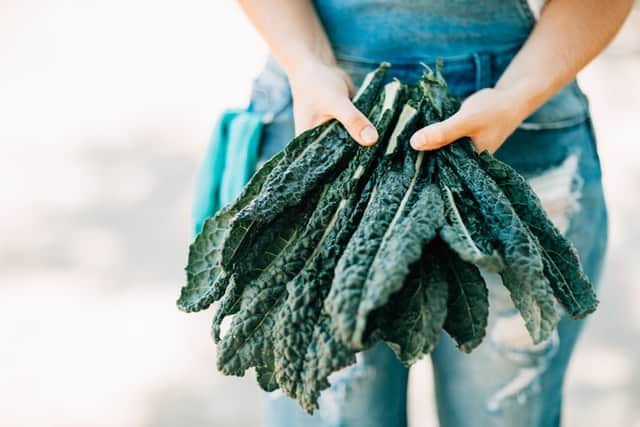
{"points": [[507, 381]]}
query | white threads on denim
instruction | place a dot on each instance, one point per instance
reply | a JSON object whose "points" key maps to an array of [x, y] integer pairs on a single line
{"points": [[560, 189], [509, 340], [333, 400], [533, 361]]}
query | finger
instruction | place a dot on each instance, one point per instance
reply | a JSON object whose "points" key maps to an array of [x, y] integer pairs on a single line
{"points": [[356, 123], [304, 120], [440, 134], [311, 123], [320, 120]]}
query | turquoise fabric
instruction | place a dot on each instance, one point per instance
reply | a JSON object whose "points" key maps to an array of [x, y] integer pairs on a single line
{"points": [[229, 162], [244, 139]]}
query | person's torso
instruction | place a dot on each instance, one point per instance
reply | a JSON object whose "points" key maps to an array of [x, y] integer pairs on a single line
{"points": [[414, 30]]}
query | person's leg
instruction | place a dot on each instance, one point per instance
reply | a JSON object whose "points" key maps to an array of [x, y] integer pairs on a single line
{"points": [[371, 393], [508, 381]]}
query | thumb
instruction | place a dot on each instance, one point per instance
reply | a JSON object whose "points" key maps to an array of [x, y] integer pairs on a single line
{"points": [[440, 134], [356, 123]]}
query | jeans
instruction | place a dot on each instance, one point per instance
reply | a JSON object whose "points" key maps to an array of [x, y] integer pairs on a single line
{"points": [[507, 380]]}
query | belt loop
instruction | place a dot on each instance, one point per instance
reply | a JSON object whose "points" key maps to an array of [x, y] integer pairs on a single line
{"points": [[482, 62]]}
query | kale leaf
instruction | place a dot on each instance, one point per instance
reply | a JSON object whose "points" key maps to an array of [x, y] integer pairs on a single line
{"points": [[561, 262], [333, 247]]}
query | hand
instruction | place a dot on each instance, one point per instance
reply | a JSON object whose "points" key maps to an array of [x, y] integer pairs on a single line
{"points": [[488, 117], [322, 92]]}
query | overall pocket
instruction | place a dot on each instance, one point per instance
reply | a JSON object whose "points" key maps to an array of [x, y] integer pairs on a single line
{"points": [[552, 133], [566, 108]]}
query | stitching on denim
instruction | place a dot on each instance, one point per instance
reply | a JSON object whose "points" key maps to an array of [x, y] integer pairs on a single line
{"points": [[565, 122], [556, 124], [406, 63], [483, 70], [478, 70], [461, 60]]}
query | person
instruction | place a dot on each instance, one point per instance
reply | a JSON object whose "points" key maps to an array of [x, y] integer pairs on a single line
{"points": [[514, 64]]}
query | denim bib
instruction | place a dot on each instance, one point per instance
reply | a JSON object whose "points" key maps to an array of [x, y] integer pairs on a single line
{"points": [[410, 30], [476, 39]]}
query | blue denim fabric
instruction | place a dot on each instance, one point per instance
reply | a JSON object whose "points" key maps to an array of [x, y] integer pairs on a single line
{"points": [[507, 381], [409, 30]]}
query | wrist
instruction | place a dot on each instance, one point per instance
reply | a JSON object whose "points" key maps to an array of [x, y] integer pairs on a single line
{"points": [[306, 69], [524, 96], [304, 60]]}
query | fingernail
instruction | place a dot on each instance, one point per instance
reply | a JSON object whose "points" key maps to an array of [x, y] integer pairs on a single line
{"points": [[369, 135], [415, 143]]}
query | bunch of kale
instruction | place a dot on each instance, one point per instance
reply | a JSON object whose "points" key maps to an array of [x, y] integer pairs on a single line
{"points": [[333, 247]]}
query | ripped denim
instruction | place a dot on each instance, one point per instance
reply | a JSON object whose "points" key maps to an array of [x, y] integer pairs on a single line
{"points": [[507, 381]]}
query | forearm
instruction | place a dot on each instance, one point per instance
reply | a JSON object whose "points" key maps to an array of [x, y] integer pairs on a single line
{"points": [[320, 89], [292, 31], [569, 34]]}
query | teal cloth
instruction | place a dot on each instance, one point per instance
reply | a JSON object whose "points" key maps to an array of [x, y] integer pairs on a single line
{"points": [[229, 162]]}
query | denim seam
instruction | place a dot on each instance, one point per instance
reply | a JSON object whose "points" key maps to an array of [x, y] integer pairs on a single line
{"points": [[573, 120], [558, 124], [483, 70], [462, 60], [594, 145]]}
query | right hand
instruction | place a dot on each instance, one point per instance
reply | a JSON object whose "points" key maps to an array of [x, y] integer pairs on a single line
{"points": [[322, 92]]}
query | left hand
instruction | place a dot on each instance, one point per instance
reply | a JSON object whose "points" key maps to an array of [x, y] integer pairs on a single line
{"points": [[488, 117]]}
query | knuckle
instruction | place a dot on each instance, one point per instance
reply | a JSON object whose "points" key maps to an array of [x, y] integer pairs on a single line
{"points": [[354, 121], [438, 136]]}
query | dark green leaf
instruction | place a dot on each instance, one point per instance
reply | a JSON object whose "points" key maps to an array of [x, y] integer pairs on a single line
{"points": [[460, 238], [411, 322], [410, 231], [524, 272], [344, 203], [468, 303], [206, 281], [324, 153], [561, 262], [387, 204]]}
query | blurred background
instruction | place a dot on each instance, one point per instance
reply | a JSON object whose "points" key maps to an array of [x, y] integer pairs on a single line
{"points": [[105, 110]]}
